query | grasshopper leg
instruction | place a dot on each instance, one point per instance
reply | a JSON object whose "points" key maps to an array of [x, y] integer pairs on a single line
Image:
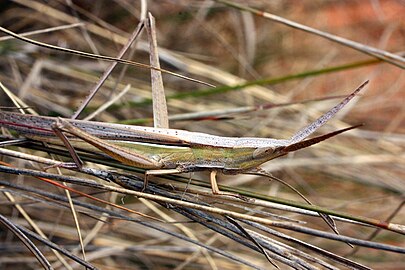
{"points": [[158, 172], [215, 188], [58, 132], [214, 184], [77, 162], [121, 154]]}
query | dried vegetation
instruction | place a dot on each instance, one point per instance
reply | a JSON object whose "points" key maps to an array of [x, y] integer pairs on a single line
{"points": [[257, 65]]}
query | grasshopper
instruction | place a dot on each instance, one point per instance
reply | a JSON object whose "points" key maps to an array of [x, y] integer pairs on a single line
{"points": [[170, 151]]}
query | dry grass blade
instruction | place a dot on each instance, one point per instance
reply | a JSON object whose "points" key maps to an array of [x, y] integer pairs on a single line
{"points": [[391, 58], [328, 219], [27, 242], [114, 214], [56, 247], [108, 71], [95, 56], [47, 30], [32, 223], [322, 252], [247, 234], [355, 178], [17, 102], [160, 114], [108, 103]]}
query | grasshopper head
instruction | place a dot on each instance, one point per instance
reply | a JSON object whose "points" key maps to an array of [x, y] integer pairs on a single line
{"points": [[263, 154], [268, 153]]}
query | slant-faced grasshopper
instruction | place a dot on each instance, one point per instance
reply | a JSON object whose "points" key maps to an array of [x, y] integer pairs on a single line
{"points": [[169, 151]]}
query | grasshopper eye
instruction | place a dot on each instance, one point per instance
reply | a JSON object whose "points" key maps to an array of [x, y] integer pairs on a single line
{"points": [[263, 151]]}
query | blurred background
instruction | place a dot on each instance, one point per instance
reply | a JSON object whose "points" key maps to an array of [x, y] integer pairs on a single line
{"points": [[258, 66]]}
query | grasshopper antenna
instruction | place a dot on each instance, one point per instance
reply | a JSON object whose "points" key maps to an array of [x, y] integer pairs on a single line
{"points": [[306, 143], [311, 128]]}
